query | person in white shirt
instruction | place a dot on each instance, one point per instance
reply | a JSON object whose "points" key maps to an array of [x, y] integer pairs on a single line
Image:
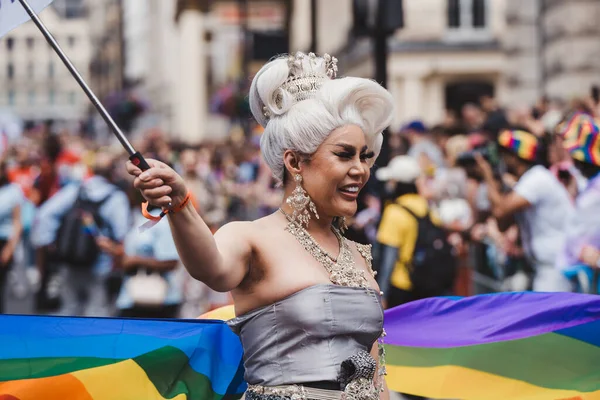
{"points": [[539, 204]]}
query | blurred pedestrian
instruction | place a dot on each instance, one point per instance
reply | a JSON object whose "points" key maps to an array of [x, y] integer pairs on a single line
{"points": [[11, 198], [151, 287], [422, 145], [59, 230], [580, 256], [410, 268], [538, 202]]}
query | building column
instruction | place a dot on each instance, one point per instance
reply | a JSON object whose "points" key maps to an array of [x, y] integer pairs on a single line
{"points": [[434, 109], [395, 87], [413, 88], [192, 110], [300, 26]]}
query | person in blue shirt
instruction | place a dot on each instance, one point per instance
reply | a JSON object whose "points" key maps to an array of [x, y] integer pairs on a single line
{"points": [[84, 289], [11, 198], [152, 284]]}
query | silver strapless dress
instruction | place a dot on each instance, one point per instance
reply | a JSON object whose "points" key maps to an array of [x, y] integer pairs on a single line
{"points": [[320, 334]]}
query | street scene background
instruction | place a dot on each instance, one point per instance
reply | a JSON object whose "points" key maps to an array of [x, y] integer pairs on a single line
{"points": [[175, 74]]}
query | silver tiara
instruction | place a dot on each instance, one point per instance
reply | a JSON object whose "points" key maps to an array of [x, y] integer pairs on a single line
{"points": [[306, 77]]}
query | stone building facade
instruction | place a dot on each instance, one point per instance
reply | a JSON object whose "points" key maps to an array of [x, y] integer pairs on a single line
{"points": [[35, 86], [570, 41]]}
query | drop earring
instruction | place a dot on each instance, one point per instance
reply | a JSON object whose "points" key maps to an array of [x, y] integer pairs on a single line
{"points": [[301, 204], [343, 225]]}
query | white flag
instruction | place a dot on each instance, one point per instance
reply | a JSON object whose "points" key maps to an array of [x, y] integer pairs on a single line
{"points": [[12, 13]]}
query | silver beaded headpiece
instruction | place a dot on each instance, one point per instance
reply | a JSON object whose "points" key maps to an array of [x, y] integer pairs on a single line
{"points": [[307, 75]]}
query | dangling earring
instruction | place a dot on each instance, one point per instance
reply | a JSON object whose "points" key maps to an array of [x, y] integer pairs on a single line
{"points": [[339, 223], [343, 225], [299, 201]]}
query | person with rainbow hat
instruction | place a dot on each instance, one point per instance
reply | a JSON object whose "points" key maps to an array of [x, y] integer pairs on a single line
{"points": [[538, 203], [580, 258]]}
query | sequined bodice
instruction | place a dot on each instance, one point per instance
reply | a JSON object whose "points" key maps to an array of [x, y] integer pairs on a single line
{"points": [[306, 336]]}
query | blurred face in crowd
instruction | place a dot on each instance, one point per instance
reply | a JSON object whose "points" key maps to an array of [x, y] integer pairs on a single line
{"points": [[334, 175], [519, 116], [488, 103], [204, 156], [472, 115], [473, 172], [557, 151], [189, 161], [22, 155], [513, 163], [104, 164]]}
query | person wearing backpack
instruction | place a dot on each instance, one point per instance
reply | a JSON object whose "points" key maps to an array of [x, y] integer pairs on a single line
{"points": [[69, 230], [416, 259]]}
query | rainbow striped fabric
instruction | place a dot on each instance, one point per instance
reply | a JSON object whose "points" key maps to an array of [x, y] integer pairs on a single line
{"points": [[57, 358], [581, 137], [524, 144], [519, 346]]}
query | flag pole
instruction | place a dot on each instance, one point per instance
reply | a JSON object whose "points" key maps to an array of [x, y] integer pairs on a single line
{"points": [[135, 157]]}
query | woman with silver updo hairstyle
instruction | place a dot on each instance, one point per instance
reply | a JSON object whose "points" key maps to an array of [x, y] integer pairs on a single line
{"points": [[308, 309]]}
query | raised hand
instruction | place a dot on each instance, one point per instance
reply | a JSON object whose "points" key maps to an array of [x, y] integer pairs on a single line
{"points": [[160, 184]]}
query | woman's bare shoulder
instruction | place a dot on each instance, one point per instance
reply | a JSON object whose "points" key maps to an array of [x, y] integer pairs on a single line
{"points": [[247, 230]]}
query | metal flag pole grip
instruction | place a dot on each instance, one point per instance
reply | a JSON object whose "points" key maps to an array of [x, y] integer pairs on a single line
{"points": [[136, 158]]}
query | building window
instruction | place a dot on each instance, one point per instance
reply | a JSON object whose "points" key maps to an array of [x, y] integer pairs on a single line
{"points": [[10, 43], [30, 70], [51, 71], [478, 13], [51, 97], [453, 13], [70, 8], [10, 71], [11, 98], [467, 14], [71, 40], [31, 97], [30, 43], [72, 98]]}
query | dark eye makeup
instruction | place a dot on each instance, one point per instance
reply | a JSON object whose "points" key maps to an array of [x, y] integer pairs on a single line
{"points": [[367, 156], [350, 151]]}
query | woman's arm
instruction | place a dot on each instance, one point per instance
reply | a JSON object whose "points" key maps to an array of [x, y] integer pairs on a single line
{"points": [[115, 249], [221, 260]]}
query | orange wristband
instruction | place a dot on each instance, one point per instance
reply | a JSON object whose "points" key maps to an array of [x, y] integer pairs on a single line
{"points": [[181, 206], [165, 211]]}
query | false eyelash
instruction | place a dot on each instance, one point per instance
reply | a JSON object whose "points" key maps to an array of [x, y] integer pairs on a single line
{"points": [[344, 155], [367, 156]]}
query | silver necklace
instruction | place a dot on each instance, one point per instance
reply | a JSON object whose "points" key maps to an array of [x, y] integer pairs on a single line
{"points": [[342, 271]]}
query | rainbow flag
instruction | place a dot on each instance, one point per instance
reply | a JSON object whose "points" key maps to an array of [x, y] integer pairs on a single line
{"points": [[57, 358], [518, 346]]}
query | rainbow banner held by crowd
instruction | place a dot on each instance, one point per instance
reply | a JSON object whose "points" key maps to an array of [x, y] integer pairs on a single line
{"points": [[75, 358]]}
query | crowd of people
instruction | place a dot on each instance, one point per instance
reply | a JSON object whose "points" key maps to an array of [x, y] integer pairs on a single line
{"points": [[514, 191], [71, 218], [489, 200]]}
